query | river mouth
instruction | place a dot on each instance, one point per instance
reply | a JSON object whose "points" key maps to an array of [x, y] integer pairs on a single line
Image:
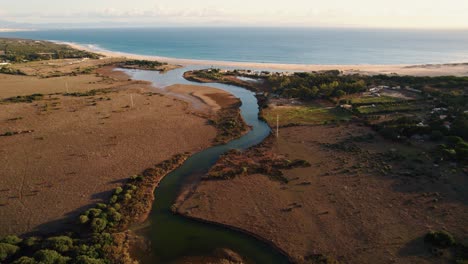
{"points": [[173, 236]]}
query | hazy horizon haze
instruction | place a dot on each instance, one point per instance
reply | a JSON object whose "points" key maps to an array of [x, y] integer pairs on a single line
{"points": [[449, 14]]}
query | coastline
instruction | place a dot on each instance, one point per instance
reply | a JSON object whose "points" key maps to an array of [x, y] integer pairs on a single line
{"points": [[454, 69], [5, 30]]}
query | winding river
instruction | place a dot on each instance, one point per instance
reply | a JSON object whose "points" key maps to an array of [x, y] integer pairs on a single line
{"points": [[173, 236]]}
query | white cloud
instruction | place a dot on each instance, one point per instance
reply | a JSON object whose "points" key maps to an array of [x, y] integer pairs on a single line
{"points": [[361, 13]]}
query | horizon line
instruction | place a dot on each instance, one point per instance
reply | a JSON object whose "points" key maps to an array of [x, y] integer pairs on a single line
{"points": [[84, 26]]}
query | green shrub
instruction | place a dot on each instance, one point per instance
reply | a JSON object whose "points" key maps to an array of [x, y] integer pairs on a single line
{"points": [[31, 241], [60, 243], [138, 178], [116, 217], [13, 240], [439, 239], [87, 250], [88, 260], [98, 225], [101, 206], [131, 187], [7, 250], [453, 140], [117, 206], [127, 197], [102, 239], [118, 190], [84, 219], [47, 256], [93, 212], [114, 199], [24, 98], [25, 260]]}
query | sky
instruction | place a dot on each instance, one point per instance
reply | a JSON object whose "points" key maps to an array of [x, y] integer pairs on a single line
{"points": [[303, 13]]}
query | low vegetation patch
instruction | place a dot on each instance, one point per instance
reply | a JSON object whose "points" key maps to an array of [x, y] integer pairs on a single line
{"points": [[100, 239], [203, 75], [20, 50], [23, 98], [12, 133], [143, 65], [305, 115], [10, 70], [129, 201], [229, 124], [366, 100], [88, 93], [439, 239], [258, 159], [215, 75], [388, 108]]}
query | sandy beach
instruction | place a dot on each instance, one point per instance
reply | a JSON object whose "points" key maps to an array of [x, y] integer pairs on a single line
{"points": [[455, 69]]}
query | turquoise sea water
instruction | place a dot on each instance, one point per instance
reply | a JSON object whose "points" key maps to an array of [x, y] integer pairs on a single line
{"points": [[275, 45]]}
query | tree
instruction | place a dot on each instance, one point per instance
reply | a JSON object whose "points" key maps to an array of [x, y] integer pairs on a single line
{"points": [[84, 219], [98, 225], [440, 239], [88, 260], [31, 241], [47, 256], [7, 250], [60, 243], [13, 240], [460, 127], [340, 93], [25, 260]]}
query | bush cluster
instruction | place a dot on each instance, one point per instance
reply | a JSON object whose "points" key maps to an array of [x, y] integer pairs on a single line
{"points": [[107, 216], [440, 239], [94, 247], [54, 250]]}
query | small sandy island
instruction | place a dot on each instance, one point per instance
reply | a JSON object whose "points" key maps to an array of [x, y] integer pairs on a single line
{"points": [[455, 69]]}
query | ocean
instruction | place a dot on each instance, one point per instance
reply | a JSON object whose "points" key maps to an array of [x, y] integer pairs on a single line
{"points": [[274, 45]]}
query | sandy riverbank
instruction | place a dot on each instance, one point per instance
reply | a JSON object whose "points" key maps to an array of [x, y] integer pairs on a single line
{"points": [[456, 69]]}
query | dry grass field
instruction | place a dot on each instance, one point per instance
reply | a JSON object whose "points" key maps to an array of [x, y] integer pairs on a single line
{"points": [[61, 153], [357, 203]]}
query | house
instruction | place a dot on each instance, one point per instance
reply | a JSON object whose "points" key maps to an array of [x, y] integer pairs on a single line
{"points": [[346, 106], [438, 109], [412, 89], [375, 89], [2, 52], [45, 55]]}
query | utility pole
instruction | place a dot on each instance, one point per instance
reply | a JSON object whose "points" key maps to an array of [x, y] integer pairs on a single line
{"points": [[277, 126], [66, 86], [131, 99]]}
